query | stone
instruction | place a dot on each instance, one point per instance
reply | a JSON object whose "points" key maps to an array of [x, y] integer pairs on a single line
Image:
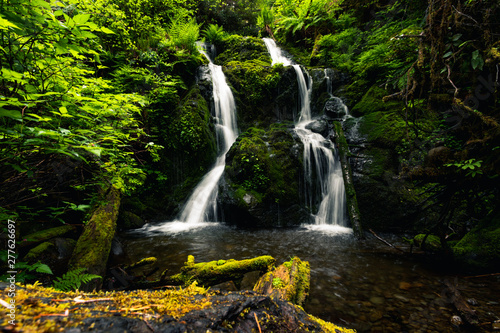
{"points": [[335, 108], [318, 126], [377, 300]]}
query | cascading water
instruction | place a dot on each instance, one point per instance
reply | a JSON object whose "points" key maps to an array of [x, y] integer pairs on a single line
{"points": [[323, 174], [202, 204]]}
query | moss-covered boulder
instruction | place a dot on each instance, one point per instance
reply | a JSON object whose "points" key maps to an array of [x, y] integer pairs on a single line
{"points": [[263, 94], [187, 134], [240, 48], [428, 242], [372, 101], [480, 248], [261, 185], [290, 281]]}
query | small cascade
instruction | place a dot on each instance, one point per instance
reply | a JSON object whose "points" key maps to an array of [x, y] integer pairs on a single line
{"points": [[324, 184], [202, 204]]}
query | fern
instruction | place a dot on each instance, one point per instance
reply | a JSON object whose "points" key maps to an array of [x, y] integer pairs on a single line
{"points": [[73, 279]]}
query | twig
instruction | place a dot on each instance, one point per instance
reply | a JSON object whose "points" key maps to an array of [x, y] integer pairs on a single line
{"points": [[449, 79], [465, 15], [65, 314], [384, 241], [148, 325], [479, 276], [4, 303], [257, 321]]}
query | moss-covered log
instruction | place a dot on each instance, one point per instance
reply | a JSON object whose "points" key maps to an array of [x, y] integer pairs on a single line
{"points": [[290, 281], [218, 271], [45, 235], [352, 202], [93, 246]]}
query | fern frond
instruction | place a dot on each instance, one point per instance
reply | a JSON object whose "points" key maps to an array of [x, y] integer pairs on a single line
{"points": [[72, 280]]}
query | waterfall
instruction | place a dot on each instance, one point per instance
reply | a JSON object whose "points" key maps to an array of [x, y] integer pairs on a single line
{"points": [[324, 183], [202, 204]]}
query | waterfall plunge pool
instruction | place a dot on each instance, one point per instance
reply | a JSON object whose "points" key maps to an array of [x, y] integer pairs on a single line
{"points": [[364, 285]]}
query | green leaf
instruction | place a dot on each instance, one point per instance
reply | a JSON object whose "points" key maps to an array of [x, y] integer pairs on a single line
{"points": [[81, 18], [106, 30], [42, 268], [447, 54], [14, 114], [4, 24]]}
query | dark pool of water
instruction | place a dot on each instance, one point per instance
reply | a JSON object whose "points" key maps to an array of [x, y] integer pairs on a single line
{"points": [[364, 285]]}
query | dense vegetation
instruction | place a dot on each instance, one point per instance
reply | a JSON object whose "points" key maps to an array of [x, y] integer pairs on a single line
{"points": [[99, 94]]}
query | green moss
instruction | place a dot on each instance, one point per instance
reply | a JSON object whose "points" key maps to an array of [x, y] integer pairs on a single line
{"points": [[93, 246], [432, 242], [217, 271], [38, 251], [372, 102], [254, 85], [239, 48], [289, 281], [46, 234], [480, 248], [188, 135], [261, 165]]}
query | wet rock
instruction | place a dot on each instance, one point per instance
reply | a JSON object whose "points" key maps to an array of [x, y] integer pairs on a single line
{"points": [[335, 108], [456, 321], [472, 301], [318, 126]]}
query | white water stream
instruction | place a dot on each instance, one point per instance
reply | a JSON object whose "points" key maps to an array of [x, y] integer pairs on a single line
{"points": [[202, 204], [323, 173]]}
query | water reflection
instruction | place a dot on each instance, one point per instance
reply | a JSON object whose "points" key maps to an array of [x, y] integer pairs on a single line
{"points": [[364, 285]]}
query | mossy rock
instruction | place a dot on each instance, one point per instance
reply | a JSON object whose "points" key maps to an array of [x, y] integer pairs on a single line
{"points": [[239, 48], [129, 220], [188, 135], [263, 94], [432, 242], [289, 281], [46, 235], [39, 251], [262, 180], [372, 102], [480, 248]]}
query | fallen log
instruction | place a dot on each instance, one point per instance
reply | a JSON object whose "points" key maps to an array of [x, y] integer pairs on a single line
{"points": [[92, 248], [210, 273]]}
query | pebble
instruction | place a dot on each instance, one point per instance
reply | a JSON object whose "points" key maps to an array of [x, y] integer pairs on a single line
{"points": [[377, 300], [456, 320], [472, 301]]}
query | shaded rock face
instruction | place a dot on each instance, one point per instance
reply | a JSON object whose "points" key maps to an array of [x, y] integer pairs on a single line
{"points": [[385, 200], [261, 184]]}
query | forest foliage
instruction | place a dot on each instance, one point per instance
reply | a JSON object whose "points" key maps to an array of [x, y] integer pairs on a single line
{"points": [[89, 90]]}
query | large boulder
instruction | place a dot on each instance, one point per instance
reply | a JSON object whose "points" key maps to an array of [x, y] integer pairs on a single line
{"points": [[261, 185]]}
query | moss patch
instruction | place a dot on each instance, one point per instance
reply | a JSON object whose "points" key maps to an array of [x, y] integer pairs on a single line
{"points": [[239, 48], [480, 248], [289, 281], [264, 164], [372, 102], [93, 246]]}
